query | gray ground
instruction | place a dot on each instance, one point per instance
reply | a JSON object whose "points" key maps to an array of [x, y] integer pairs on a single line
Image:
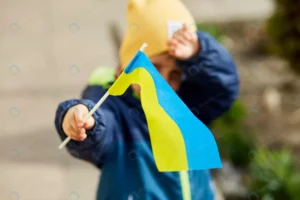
{"points": [[47, 50]]}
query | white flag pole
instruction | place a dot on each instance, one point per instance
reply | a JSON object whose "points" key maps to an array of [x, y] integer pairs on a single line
{"points": [[143, 47], [65, 142]]}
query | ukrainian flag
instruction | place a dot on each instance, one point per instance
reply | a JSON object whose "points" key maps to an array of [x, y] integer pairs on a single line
{"points": [[179, 140]]}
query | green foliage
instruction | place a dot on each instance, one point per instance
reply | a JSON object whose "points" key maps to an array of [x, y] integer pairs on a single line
{"points": [[235, 142], [213, 30], [232, 119], [236, 145], [293, 186], [283, 29], [274, 175]]}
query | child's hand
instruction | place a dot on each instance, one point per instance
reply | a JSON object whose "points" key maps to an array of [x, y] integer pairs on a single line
{"points": [[184, 44], [73, 125]]}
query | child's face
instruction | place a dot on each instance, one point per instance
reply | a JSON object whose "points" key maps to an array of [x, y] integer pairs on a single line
{"points": [[166, 65]]}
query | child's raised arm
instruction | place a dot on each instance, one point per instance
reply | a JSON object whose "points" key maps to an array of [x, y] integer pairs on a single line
{"points": [[211, 80]]}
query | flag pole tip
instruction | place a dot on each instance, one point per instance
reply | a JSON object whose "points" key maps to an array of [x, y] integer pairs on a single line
{"points": [[143, 47]]}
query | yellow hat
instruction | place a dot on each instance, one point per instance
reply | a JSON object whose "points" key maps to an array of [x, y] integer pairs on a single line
{"points": [[147, 21]]}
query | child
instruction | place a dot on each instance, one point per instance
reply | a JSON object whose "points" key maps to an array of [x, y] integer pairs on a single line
{"points": [[116, 138]]}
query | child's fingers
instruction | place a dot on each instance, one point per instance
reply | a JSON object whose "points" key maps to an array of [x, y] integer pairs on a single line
{"points": [[178, 51], [78, 135], [89, 123], [82, 135], [176, 43], [179, 36], [179, 46], [174, 46], [78, 118], [73, 124], [173, 43], [187, 35], [185, 27]]}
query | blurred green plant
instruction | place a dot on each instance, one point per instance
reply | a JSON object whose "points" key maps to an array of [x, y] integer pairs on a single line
{"points": [[274, 175], [233, 118], [235, 142], [213, 30], [283, 29]]}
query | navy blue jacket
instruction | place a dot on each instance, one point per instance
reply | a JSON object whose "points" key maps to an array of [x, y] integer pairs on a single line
{"points": [[119, 144]]}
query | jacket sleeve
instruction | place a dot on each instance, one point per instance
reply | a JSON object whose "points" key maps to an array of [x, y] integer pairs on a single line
{"points": [[210, 82], [98, 140]]}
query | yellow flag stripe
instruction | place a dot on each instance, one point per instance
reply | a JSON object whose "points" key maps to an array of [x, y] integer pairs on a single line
{"points": [[166, 139]]}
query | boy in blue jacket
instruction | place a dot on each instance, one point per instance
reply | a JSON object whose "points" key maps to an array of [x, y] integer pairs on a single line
{"points": [[116, 139]]}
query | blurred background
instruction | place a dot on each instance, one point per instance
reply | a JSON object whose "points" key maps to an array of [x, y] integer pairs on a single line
{"points": [[49, 48]]}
